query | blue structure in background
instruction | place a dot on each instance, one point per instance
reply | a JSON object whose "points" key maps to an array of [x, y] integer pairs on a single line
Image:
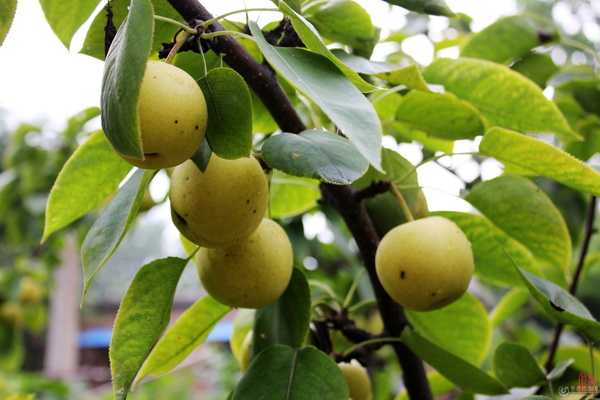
{"points": [[100, 337]]}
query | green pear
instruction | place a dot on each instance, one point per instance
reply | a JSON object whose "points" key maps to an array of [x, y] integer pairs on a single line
{"points": [[252, 273], [172, 116], [221, 206], [358, 380], [425, 264]]}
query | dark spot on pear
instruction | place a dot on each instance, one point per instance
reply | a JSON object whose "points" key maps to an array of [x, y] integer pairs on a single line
{"points": [[402, 274]]}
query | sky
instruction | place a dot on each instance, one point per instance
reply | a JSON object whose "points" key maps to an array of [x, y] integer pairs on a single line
{"points": [[41, 80]]}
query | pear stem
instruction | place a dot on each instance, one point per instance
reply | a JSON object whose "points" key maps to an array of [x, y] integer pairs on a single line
{"points": [[185, 35], [403, 204]]}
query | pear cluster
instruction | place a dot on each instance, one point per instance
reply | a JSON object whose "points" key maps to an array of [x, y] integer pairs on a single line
{"points": [[245, 260]]}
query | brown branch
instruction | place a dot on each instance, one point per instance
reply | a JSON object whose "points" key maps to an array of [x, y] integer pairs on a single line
{"points": [[589, 231], [343, 198]]}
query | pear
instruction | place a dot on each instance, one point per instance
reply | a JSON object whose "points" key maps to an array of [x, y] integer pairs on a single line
{"points": [[425, 264]]}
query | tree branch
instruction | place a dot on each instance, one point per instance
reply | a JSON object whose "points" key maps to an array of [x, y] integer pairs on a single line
{"points": [[589, 231], [343, 198]]}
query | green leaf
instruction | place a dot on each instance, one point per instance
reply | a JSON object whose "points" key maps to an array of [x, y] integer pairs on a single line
{"points": [[229, 131], [508, 306], [66, 16], [290, 196], [188, 332], [541, 158], [462, 328], [90, 175], [405, 133], [509, 38], [94, 43], [578, 356], [142, 317], [505, 97], [453, 118], [489, 244], [561, 305], [408, 76], [342, 21], [313, 42], [110, 227], [283, 373], [7, 14], [433, 7], [315, 154], [319, 80], [538, 67], [363, 65], [524, 212], [123, 72], [463, 374], [295, 5], [515, 366], [285, 321]]}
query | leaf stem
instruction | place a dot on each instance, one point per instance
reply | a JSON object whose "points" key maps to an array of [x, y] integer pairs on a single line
{"points": [[353, 288], [220, 17], [434, 158], [228, 33], [176, 23], [382, 340]]}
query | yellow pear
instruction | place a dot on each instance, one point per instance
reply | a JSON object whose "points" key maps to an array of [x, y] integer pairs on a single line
{"points": [[358, 380], [425, 264], [252, 273], [221, 206], [172, 115]]}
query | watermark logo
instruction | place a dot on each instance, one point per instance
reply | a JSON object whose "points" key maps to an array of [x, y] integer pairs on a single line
{"points": [[587, 384]]}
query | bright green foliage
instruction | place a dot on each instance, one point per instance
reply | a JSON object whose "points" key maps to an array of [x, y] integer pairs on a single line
{"points": [[460, 372], [504, 97], [94, 171], [509, 38], [489, 244], [187, 333], [540, 158], [95, 42], [341, 21], [229, 131], [293, 374], [562, 306], [319, 79], [433, 7], [462, 328], [315, 154], [7, 14], [509, 201], [313, 41], [122, 80], [109, 229], [143, 316], [515, 366], [285, 321], [66, 16], [291, 196], [455, 119]]}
